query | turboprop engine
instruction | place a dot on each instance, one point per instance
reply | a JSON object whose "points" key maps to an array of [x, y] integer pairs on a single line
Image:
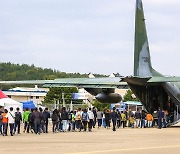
{"points": [[108, 98]]}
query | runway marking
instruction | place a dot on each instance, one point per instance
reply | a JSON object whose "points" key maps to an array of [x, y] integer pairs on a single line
{"points": [[131, 149]]}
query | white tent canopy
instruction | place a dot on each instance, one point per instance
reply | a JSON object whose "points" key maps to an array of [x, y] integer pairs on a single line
{"points": [[4, 101], [7, 102]]}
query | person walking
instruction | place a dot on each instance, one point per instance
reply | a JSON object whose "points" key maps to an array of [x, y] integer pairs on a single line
{"points": [[11, 120], [85, 118], [99, 118], [78, 119], [5, 122], [160, 118], [55, 121], [42, 121], [143, 118], [91, 118], [118, 118], [95, 117], [70, 120], [107, 118], [114, 118], [149, 119], [73, 120], [25, 120], [64, 117], [138, 118], [123, 118], [31, 121], [46, 116], [59, 123], [103, 119], [18, 119], [37, 121], [129, 114], [132, 121]]}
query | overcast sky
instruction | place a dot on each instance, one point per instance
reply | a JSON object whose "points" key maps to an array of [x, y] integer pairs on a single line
{"points": [[88, 35]]}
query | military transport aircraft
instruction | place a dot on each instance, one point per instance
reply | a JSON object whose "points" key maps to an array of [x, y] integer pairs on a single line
{"points": [[152, 88]]}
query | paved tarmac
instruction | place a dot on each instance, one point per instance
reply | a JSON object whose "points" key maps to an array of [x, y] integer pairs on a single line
{"points": [[99, 141]]}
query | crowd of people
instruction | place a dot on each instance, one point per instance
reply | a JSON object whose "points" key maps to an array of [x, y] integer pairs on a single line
{"points": [[36, 120]]}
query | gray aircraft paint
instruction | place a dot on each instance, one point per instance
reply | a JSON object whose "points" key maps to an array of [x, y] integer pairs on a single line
{"points": [[139, 4], [142, 63], [144, 69], [174, 90], [142, 59]]}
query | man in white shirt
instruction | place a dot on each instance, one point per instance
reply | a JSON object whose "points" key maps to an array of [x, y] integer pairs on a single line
{"points": [[11, 119], [91, 117]]}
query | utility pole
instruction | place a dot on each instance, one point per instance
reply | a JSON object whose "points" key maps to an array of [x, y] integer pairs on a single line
{"points": [[63, 99], [71, 106], [55, 103], [58, 104]]}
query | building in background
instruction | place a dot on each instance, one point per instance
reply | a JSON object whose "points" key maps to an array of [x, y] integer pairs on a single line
{"points": [[24, 94]]}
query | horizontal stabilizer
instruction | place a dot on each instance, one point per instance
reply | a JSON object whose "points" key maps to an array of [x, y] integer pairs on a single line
{"points": [[135, 80], [164, 79]]}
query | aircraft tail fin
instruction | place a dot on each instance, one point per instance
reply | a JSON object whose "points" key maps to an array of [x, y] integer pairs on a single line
{"points": [[142, 60]]}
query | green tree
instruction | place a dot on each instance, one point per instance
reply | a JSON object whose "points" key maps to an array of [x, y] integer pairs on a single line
{"points": [[129, 96], [57, 92], [101, 106]]}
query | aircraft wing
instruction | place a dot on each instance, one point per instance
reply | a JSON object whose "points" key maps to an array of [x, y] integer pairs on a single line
{"points": [[105, 82], [164, 79]]}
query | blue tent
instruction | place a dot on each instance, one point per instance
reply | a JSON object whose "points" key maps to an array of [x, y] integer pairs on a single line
{"points": [[29, 105]]}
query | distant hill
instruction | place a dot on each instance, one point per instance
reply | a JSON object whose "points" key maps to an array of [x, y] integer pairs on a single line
{"points": [[10, 71]]}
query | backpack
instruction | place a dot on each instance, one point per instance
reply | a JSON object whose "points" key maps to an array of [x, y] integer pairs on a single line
{"points": [[30, 117], [46, 115], [84, 117], [54, 117], [18, 116]]}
